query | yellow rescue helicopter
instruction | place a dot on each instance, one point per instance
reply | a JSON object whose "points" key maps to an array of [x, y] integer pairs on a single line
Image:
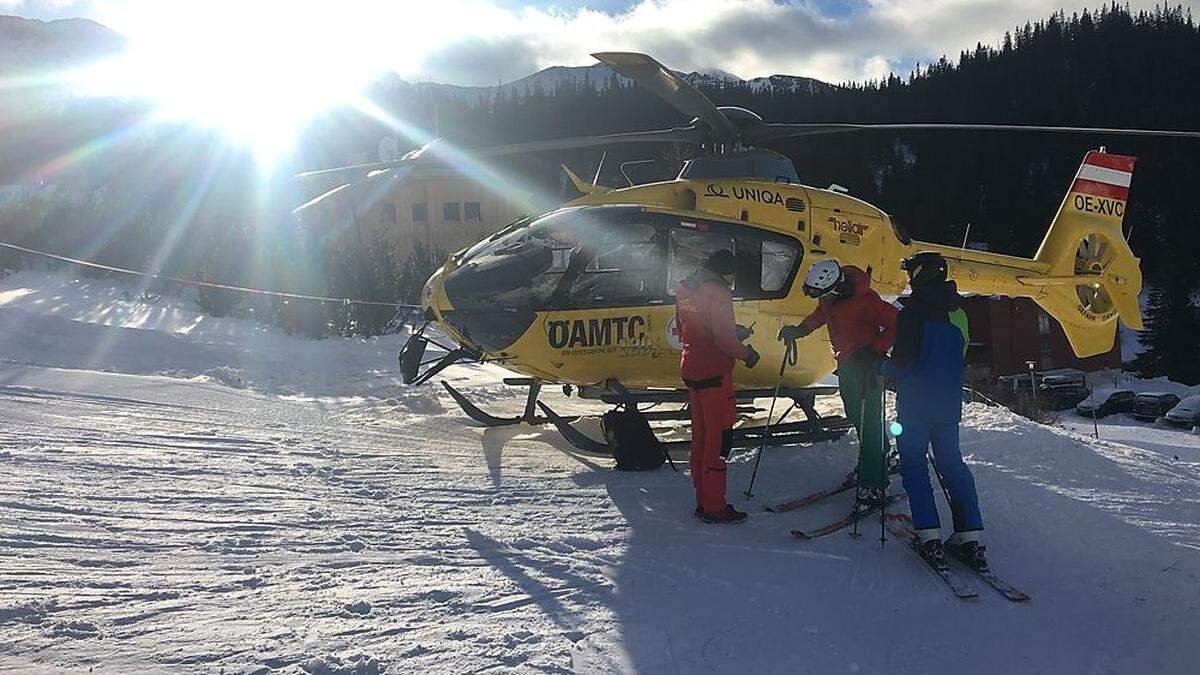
{"points": [[583, 296]]}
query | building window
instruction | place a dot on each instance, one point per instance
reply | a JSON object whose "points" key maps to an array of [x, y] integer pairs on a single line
{"points": [[420, 212], [472, 211], [450, 212], [387, 213], [1043, 323], [1046, 357]]}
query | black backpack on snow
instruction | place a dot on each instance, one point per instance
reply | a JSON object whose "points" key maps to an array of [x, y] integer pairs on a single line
{"points": [[634, 445]]}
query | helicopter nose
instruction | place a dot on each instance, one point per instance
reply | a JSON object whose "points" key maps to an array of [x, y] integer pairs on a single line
{"points": [[474, 310], [429, 292]]}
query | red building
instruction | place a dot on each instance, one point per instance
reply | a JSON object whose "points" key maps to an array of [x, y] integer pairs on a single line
{"points": [[1006, 333]]}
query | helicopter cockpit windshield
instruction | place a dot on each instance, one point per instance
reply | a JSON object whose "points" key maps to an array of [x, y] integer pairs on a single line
{"points": [[573, 257], [603, 256]]}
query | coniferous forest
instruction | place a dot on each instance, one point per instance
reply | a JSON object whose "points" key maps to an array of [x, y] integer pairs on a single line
{"points": [[1106, 67]]}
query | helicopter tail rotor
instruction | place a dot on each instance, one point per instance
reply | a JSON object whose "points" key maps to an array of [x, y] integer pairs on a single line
{"points": [[1092, 275]]}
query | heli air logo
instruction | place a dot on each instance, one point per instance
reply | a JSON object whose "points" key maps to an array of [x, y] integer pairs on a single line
{"points": [[588, 334], [849, 231], [746, 194]]}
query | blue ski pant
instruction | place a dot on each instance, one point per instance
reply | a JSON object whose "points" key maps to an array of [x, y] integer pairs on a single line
{"points": [[964, 502]]}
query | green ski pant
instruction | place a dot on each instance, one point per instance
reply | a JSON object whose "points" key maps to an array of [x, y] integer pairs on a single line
{"points": [[861, 391]]}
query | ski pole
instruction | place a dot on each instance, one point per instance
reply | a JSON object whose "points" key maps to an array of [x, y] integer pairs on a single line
{"points": [[862, 422], [789, 357], [937, 473], [883, 448]]}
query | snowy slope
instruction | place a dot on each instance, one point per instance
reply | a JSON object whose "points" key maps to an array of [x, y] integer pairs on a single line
{"points": [[316, 517]]}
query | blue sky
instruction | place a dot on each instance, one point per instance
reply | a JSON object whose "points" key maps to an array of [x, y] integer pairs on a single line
{"points": [[476, 42]]}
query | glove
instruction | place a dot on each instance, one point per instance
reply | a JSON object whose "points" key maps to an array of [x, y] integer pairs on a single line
{"points": [[751, 356], [870, 359], [792, 333], [743, 332]]}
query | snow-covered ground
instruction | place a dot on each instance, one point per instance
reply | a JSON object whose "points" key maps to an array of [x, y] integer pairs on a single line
{"points": [[186, 494], [1157, 437]]}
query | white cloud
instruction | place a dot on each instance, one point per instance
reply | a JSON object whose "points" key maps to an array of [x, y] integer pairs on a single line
{"points": [[479, 42]]}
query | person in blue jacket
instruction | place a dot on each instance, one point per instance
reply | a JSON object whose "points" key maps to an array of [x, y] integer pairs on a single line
{"points": [[927, 368]]}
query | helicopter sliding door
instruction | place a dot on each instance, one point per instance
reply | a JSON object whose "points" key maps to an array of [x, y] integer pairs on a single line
{"points": [[765, 263]]}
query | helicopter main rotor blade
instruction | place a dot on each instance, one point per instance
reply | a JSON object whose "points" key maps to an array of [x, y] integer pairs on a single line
{"points": [[688, 134], [767, 132], [658, 79], [353, 168]]}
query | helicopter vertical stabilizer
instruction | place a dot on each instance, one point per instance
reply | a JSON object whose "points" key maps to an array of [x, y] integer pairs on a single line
{"points": [[1091, 276], [1084, 273]]}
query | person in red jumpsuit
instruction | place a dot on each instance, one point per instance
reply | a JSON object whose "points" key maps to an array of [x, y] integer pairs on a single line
{"points": [[711, 345]]}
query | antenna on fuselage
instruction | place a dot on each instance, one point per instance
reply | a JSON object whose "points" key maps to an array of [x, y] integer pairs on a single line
{"points": [[599, 168]]}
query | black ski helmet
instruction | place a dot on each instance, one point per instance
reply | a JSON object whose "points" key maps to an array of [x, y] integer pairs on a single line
{"points": [[721, 262], [925, 269]]}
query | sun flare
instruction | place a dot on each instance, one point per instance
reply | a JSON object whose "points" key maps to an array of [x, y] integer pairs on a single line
{"points": [[257, 73]]}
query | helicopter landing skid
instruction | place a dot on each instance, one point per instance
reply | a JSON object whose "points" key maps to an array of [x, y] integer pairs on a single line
{"points": [[488, 420], [813, 429]]}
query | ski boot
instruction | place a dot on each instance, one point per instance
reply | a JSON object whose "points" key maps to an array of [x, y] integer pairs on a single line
{"points": [[724, 516], [929, 545], [966, 547], [870, 497]]}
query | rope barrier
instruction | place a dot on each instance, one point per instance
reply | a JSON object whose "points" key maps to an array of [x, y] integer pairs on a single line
{"points": [[193, 282]]}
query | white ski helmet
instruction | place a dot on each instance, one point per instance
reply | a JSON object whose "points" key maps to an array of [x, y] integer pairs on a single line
{"points": [[823, 278]]}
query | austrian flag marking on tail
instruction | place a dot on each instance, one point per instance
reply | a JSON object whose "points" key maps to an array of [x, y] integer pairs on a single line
{"points": [[1105, 176]]}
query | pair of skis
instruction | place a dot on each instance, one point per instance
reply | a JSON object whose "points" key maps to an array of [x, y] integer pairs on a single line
{"points": [[850, 482], [857, 513], [900, 526]]}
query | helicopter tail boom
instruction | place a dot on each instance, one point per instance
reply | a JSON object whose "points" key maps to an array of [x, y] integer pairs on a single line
{"points": [[1084, 273]]}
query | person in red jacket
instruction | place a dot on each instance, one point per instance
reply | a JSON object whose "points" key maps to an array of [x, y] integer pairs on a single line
{"points": [[711, 344], [862, 328]]}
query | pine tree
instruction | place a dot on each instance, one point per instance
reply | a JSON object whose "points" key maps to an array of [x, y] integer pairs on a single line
{"points": [[1169, 341]]}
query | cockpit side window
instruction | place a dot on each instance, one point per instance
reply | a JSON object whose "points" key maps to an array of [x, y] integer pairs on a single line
{"points": [[689, 248], [765, 263], [775, 268], [623, 267]]}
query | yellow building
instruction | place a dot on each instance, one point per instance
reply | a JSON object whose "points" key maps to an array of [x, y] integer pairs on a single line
{"points": [[441, 208]]}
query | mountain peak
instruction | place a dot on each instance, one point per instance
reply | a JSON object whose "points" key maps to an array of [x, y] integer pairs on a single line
{"points": [[38, 45]]}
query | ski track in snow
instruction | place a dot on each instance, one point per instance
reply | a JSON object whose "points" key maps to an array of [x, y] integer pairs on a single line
{"points": [[310, 515]]}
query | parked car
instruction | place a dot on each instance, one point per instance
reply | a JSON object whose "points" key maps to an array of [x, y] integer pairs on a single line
{"points": [[1062, 396], [1104, 402], [1151, 405], [1186, 413]]}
